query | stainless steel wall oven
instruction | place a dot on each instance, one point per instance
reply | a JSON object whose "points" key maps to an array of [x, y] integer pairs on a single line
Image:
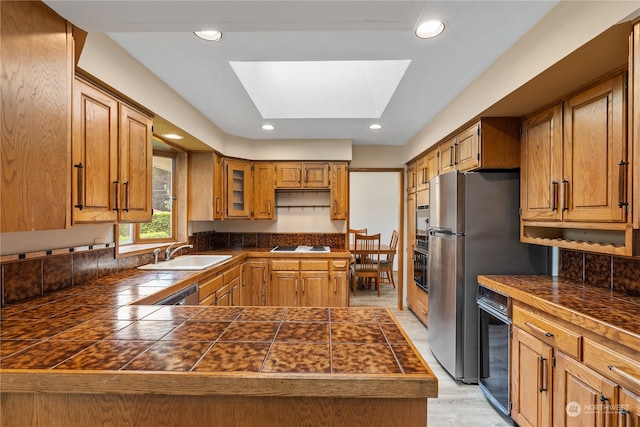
{"points": [[421, 265]]}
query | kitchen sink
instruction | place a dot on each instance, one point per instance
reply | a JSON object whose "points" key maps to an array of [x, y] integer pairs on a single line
{"points": [[187, 262]]}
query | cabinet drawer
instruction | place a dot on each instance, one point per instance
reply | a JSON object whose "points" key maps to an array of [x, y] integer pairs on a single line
{"points": [[613, 365], [422, 310], [209, 286], [549, 332], [315, 265], [422, 297], [231, 274], [285, 265], [340, 264]]}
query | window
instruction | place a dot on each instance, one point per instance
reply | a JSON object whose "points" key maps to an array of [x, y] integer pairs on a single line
{"points": [[162, 225]]}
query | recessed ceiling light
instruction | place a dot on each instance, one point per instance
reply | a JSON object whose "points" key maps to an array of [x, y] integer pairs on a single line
{"points": [[172, 136], [375, 126], [268, 127], [430, 29], [212, 36]]}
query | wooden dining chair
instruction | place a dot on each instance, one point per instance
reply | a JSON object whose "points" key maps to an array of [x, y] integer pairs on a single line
{"points": [[367, 249], [386, 264], [352, 244], [352, 235]]}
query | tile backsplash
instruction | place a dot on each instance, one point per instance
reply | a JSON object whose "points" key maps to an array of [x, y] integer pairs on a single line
{"points": [[27, 277], [606, 271]]}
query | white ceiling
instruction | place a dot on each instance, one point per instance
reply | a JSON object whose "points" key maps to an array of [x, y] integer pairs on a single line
{"points": [[159, 35]]}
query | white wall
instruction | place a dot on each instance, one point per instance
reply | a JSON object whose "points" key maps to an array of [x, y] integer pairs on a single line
{"points": [[373, 203], [314, 217]]}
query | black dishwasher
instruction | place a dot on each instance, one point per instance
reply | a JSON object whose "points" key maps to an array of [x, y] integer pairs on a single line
{"points": [[185, 296], [495, 348]]}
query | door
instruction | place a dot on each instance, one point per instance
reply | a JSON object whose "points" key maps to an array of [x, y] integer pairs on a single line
{"points": [[531, 376], [263, 191], [594, 154], [447, 158], [467, 146], [136, 155], [95, 155], [339, 191], [445, 291], [288, 175], [541, 166], [254, 282], [315, 175], [582, 397], [238, 185], [379, 211], [628, 413], [314, 290], [283, 289]]}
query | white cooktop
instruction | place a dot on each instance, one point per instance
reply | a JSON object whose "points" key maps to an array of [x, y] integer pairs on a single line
{"points": [[301, 248]]}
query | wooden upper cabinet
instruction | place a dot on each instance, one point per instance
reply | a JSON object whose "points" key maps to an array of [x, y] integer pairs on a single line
{"points": [[136, 157], [263, 191], [422, 173], [339, 191], [595, 154], [467, 149], [95, 155], [238, 188], [541, 165], [634, 118], [112, 158], [292, 175], [447, 156], [204, 197], [574, 158], [412, 180], [432, 164], [490, 143], [36, 56], [288, 175], [315, 175]]}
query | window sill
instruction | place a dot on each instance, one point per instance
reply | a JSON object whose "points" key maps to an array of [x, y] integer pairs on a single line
{"points": [[141, 248]]}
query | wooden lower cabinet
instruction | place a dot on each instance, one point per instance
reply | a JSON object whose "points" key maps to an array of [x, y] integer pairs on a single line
{"points": [[421, 308], [208, 287], [562, 377], [582, 397], [339, 284], [255, 282], [309, 283], [222, 288], [627, 413], [531, 380], [301, 283]]}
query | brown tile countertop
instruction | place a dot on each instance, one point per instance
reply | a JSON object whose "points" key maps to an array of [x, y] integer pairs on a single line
{"points": [[611, 314], [92, 338]]}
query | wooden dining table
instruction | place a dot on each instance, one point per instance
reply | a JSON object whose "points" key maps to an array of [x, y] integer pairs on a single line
{"points": [[384, 249]]}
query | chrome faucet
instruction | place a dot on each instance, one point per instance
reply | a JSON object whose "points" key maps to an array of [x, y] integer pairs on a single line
{"points": [[169, 252], [156, 252]]}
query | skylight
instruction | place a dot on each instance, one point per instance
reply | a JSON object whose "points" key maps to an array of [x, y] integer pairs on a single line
{"points": [[320, 89]]}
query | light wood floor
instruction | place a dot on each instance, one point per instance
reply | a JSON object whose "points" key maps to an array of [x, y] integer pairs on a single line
{"points": [[457, 405]]}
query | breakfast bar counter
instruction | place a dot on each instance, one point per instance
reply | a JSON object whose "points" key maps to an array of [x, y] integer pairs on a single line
{"points": [[67, 363]]}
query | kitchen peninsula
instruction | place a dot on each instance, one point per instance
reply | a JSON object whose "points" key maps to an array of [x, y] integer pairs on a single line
{"points": [[91, 356]]}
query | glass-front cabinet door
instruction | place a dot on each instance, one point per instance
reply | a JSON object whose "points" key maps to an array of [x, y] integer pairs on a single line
{"points": [[238, 184]]}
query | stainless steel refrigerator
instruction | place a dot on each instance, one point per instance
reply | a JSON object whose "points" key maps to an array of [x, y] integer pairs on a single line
{"points": [[474, 230]]}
